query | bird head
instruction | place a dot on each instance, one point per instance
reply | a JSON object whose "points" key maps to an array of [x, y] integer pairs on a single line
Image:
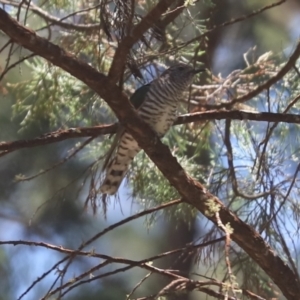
{"points": [[182, 74]]}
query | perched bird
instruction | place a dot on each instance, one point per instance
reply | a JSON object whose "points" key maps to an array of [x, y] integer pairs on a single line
{"points": [[156, 103]]}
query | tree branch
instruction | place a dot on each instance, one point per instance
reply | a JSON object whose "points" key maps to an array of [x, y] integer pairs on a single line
{"points": [[79, 132], [283, 71], [54, 20], [233, 21], [137, 32], [190, 190]]}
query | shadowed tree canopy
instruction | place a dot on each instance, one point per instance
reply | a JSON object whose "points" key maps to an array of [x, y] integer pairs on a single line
{"points": [[211, 210]]}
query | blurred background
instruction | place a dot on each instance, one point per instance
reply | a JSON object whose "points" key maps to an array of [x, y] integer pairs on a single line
{"points": [[52, 207]]}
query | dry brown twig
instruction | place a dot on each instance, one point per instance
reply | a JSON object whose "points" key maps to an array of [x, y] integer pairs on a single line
{"points": [[71, 254]]}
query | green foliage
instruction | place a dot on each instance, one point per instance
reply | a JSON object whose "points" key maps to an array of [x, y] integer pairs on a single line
{"points": [[150, 187], [50, 95], [189, 2], [53, 97]]}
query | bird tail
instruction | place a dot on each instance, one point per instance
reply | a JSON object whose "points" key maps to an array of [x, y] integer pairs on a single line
{"points": [[116, 167], [115, 173]]}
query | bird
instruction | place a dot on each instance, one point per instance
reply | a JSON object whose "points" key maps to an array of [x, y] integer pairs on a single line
{"points": [[156, 103]]}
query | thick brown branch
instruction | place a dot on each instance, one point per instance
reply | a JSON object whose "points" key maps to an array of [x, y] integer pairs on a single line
{"points": [[190, 190], [79, 132]]}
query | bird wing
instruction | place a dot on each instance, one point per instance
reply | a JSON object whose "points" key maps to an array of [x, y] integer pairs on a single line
{"points": [[139, 96]]}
